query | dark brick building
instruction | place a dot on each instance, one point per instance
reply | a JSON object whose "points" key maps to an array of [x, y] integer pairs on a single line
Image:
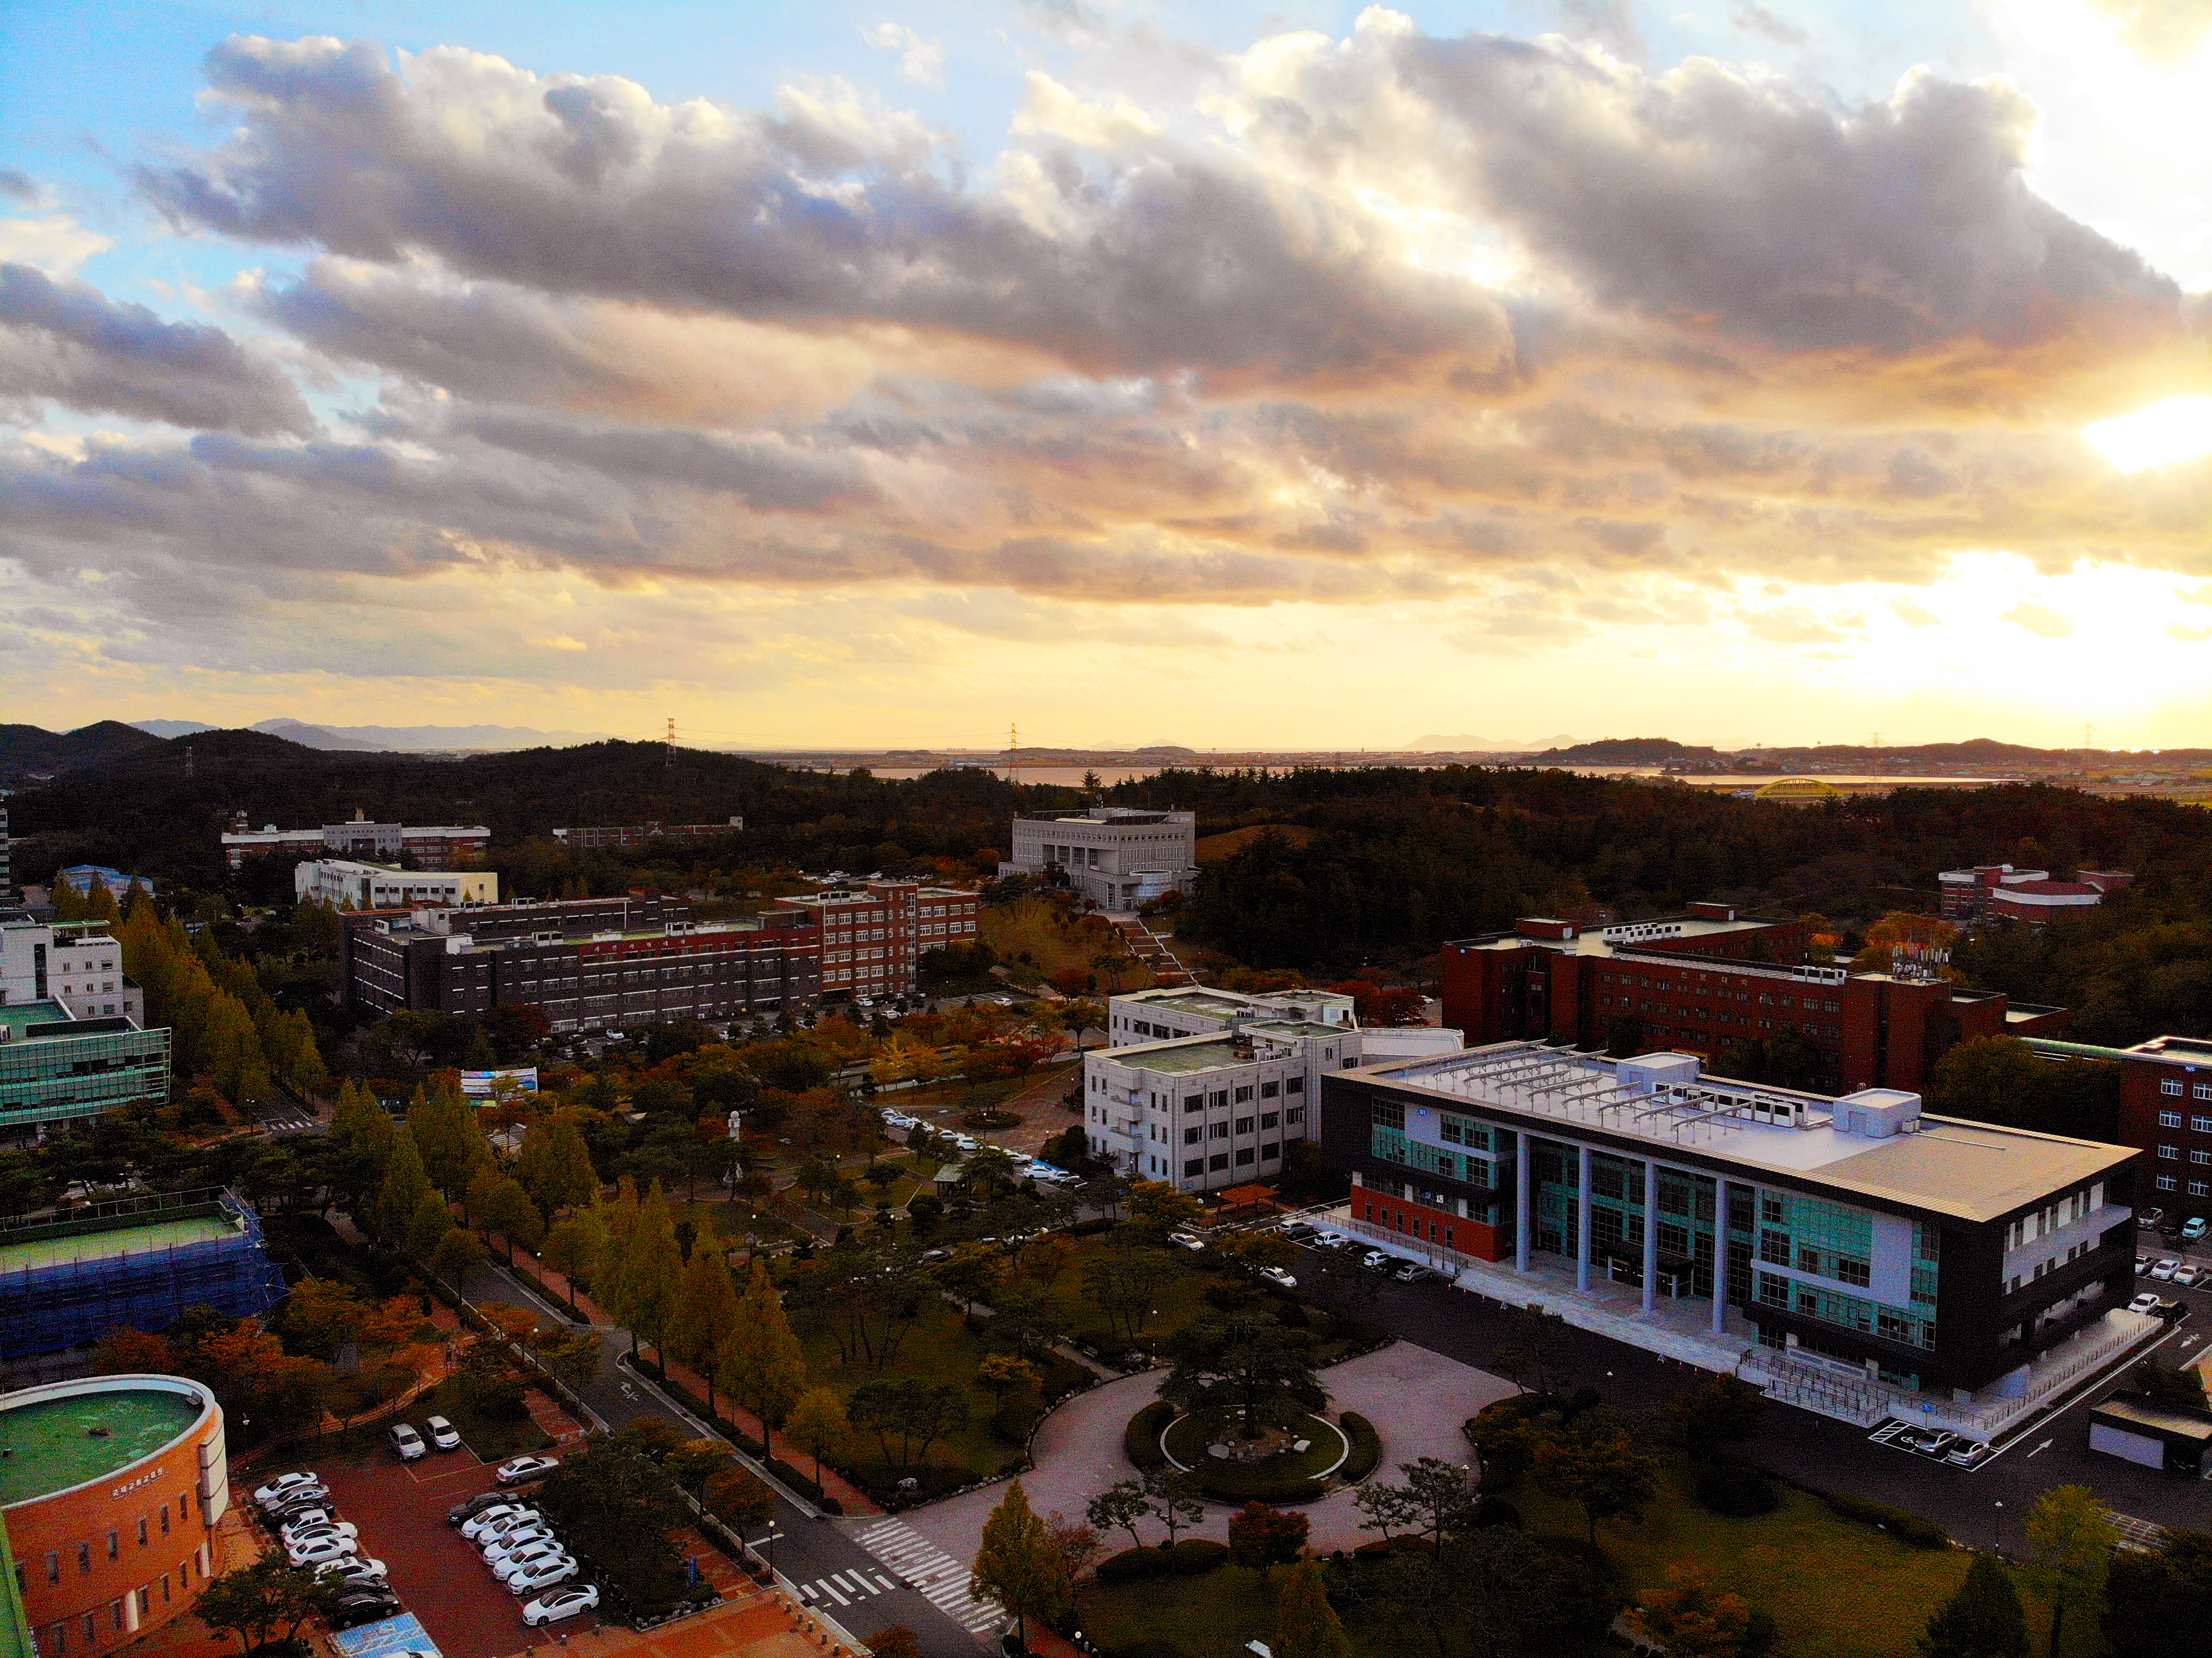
{"points": [[592, 964], [1700, 981]]}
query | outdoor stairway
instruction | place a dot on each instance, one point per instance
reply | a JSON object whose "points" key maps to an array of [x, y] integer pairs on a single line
{"points": [[1149, 948]]}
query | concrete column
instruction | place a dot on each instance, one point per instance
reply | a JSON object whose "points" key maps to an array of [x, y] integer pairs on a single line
{"points": [[1582, 1218], [1520, 1200], [1650, 1235], [1720, 1257]]}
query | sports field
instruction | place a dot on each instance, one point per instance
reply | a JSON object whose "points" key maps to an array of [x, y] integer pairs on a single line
{"points": [[124, 1241]]}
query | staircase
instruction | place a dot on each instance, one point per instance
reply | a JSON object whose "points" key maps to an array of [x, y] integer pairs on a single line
{"points": [[1151, 949]]}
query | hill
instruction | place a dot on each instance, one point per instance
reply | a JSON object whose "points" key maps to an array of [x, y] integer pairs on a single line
{"points": [[27, 751], [1215, 848], [1631, 752]]}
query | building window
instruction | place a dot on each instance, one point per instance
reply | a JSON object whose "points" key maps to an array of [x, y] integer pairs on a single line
{"points": [[2196, 1156], [2200, 1124], [1268, 1119], [1244, 1094], [2169, 1151], [1854, 1271], [1194, 1102], [1243, 1156], [84, 1559], [1243, 1125], [53, 1566], [1194, 1166], [1268, 1090], [1271, 1152], [1295, 1115], [1219, 1131], [2201, 1092], [2170, 1085], [2169, 1119], [1294, 1085], [2167, 1183], [1194, 1134], [114, 1543], [141, 1531], [2197, 1188], [1219, 1160]]}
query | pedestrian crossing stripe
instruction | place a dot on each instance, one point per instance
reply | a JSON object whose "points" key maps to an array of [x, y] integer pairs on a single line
{"points": [[941, 1579]]}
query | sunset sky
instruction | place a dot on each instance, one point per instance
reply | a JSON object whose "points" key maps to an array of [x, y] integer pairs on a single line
{"points": [[1291, 375]]}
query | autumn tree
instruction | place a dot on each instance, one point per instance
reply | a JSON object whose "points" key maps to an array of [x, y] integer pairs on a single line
{"points": [[400, 1194], [705, 1317], [1694, 1619], [1306, 1625], [2070, 1539], [1595, 1464], [817, 1425], [652, 1273], [1261, 1536], [761, 1364], [255, 1601], [1018, 1567]]}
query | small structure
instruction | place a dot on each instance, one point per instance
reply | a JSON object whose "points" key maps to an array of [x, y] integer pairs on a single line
{"points": [[2140, 1429]]}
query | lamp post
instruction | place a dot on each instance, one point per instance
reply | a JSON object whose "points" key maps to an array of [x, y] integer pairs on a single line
{"points": [[2000, 1530]]}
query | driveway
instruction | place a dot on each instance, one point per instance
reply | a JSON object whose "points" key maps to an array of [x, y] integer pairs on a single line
{"points": [[1415, 1398]]}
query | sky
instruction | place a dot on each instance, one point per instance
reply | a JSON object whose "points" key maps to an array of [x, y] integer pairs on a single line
{"points": [[1303, 375]]}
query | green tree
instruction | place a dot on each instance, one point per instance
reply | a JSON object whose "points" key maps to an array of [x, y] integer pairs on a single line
{"points": [[1693, 1619], [1597, 1465], [1244, 1369], [509, 1211], [915, 1413], [764, 1365], [1434, 1501], [555, 1165], [705, 1317], [1119, 1508], [457, 1251], [449, 1136], [1306, 1625], [255, 1601], [1001, 1374], [571, 1357], [1017, 1565], [2071, 1538], [817, 1425], [400, 1194], [572, 1247], [1172, 1497], [427, 1226], [363, 1128], [1724, 1411], [652, 1273], [1982, 1620], [2158, 1604], [695, 1461]]}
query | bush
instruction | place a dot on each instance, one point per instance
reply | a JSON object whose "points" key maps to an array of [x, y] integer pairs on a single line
{"points": [[1132, 1565], [1140, 1439], [804, 1486], [1012, 1422], [1261, 1482], [1366, 1448], [1907, 1528], [1496, 1511], [990, 1116], [1736, 1489], [880, 1480], [1195, 1556], [1593, 1587]]}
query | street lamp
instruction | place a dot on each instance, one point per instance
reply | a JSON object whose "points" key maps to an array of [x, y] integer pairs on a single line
{"points": [[2000, 1530]]}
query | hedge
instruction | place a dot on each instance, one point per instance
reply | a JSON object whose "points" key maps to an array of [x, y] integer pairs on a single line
{"points": [[1366, 1448], [804, 1486], [1194, 1556], [1140, 1439], [1248, 1482], [1906, 1527]]}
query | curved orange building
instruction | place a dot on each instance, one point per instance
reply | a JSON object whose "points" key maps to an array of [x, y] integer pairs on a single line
{"points": [[110, 1490]]}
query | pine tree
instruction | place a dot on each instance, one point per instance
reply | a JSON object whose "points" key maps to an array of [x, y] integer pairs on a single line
{"points": [[1017, 1565], [1306, 1625], [1984, 1619], [706, 1313], [653, 1272], [401, 1190]]}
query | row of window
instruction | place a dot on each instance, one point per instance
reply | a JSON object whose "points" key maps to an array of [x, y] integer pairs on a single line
{"points": [[2042, 1266], [54, 1640], [2197, 1188], [114, 1550], [1197, 1133], [2174, 1085], [2173, 1154], [1766, 998], [2196, 1124], [1194, 1166]]}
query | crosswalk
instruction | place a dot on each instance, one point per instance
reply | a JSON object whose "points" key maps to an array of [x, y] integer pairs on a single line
{"points": [[846, 1587], [942, 1580]]}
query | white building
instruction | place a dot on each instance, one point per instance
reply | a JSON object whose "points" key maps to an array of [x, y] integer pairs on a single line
{"points": [[1208, 1111], [339, 881], [1150, 1015], [441, 846], [1115, 856], [78, 964]]}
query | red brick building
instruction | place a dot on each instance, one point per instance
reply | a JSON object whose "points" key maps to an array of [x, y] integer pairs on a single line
{"points": [[2165, 1113], [1700, 981], [873, 934]]}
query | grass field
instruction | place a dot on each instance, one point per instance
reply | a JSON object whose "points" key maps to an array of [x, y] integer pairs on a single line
{"points": [[1031, 928]]}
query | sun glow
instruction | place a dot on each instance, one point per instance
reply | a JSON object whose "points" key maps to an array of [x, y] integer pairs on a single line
{"points": [[2178, 430]]}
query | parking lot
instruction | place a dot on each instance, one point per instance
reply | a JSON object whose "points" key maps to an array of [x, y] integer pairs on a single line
{"points": [[400, 1507]]}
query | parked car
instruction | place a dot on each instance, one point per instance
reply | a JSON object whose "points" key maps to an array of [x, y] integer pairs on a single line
{"points": [[543, 1574], [1190, 1241], [494, 1522], [517, 1545], [1375, 1260], [1298, 1232], [405, 1441], [562, 1603], [2169, 1310], [526, 1468], [296, 1507], [367, 1607], [442, 1435], [2164, 1270], [2145, 1302], [359, 1572], [318, 1551], [308, 1521], [2194, 1227], [2143, 1265], [1412, 1273], [2149, 1216], [1968, 1453], [1277, 1275], [463, 1512], [2190, 1276], [1326, 1239], [286, 1484]]}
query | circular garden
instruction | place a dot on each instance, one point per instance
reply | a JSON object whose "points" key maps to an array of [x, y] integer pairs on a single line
{"points": [[1297, 1460]]}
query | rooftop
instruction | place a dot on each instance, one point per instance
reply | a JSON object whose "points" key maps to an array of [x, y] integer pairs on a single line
{"points": [[105, 1244], [1210, 1003], [1179, 1056], [1973, 1171], [1294, 1027], [49, 1445], [18, 1018]]}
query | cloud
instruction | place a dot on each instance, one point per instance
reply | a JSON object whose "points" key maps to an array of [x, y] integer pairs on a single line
{"points": [[1610, 23], [71, 342], [1753, 19], [1914, 616], [19, 187], [920, 61], [2160, 31], [54, 243], [2040, 620]]}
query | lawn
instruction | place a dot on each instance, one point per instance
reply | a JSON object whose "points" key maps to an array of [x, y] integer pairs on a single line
{"points": [[1029, 935], [494, 1439]]}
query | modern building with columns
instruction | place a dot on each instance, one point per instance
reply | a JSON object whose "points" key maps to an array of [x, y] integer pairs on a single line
{"points": [[1922, 1255]]}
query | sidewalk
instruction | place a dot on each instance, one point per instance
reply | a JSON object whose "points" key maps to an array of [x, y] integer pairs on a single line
{"points": [[833, 1482]]}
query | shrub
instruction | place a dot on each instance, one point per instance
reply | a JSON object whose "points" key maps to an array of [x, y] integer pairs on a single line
{"points": [[1593, 1587], [1140, 1439], [1133, 1564], [1012, 1422], [1496, 1511], [1195, 1556], [1263, 1482], [1907, 1528], [1366, 1447], [1735, 1489]]}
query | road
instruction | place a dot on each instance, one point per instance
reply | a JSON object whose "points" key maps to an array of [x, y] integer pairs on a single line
{"points": [[1982, 1507], [834, 1572]]}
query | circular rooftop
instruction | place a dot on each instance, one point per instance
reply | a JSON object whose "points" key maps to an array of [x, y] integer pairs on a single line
{"points": [[67, 1434]]}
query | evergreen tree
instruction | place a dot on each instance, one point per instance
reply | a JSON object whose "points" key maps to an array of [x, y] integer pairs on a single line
{"points": [[616, 1222], [1018, 1566], [1982, 1619], [509, 1211], [706, 1313], [402, 1189], [2071, 1538], [449, 1137], [1306, 1625]]}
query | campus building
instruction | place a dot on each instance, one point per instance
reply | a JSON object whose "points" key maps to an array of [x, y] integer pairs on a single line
{"points": [[1999, 892], [341, 883], [110, 1497], [1115, 856], [1702, 982], [591, 964], [429, 847], [637, 835], [71, 1040], [1852, 1241], [1147, 1016], [874, 935]]}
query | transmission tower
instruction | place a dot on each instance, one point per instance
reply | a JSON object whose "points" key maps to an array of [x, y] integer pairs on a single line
{"points": [[669, 756]]}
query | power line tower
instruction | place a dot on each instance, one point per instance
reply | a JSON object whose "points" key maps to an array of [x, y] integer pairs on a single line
{"points": [[1013, 751], [669, 755], [188, 760]]}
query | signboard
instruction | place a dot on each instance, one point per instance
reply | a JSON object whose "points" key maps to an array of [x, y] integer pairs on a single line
{"points": [[394, 1634], [482, 1084]]}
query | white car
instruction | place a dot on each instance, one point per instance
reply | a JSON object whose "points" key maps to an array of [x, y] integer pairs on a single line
{"points": [[2190, 1276], [539, 1575], [443, 1437], [1277, 1275], [284, 1486], [405, 1441], [320, 1527], [492, 1522], [2145, 1302], [2166, 1269], [527, 1467], [516, 1544], [1329, 1240], [304, 1520], [562, 1603], [318, 1551], [359, 1572], [1190, 1241]]}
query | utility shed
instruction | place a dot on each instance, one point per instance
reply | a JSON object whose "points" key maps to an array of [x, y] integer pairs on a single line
{"points": [[2162, 1436]]}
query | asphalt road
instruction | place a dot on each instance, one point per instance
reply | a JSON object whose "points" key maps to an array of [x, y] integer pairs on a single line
{"points": [[812, 1552], [1984, 1507]]}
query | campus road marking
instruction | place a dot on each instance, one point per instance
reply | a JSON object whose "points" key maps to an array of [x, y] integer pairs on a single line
{"points": [[942, 1580]]}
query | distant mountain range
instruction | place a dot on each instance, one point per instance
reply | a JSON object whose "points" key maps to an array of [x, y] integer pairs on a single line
{"points": [[29, 753], [1464, 744], [383, 740]]}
